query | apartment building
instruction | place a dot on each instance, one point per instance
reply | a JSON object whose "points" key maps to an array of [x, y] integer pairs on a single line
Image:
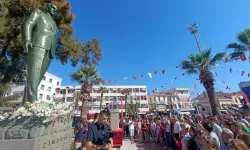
{"points": [[225, 99], [163, 102], [111, 97], [46, 88], [183, 95]]}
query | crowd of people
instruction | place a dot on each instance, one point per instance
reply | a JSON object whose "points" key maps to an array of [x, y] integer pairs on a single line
{"points": [[191, 132], [177, 132]]}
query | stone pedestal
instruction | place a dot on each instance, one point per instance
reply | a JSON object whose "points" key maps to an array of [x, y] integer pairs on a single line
{"points": [[29, 134], [114, 117]]}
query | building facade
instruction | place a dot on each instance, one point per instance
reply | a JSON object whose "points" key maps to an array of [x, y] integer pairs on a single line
{"points": [[163, 102], [46, 89], [183, 95], [225, 99], [111, 97]]}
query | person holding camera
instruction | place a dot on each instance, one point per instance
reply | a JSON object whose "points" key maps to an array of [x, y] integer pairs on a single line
{"points": [[98, 137]]}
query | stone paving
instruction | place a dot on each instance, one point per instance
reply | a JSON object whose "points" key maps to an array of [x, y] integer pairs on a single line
{"points": [[126, 145], [150, 146]]}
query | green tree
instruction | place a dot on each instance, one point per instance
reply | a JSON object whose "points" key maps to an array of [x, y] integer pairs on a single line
{"points": [[132, 108], [102, 90], [126, 92], [12, 54], [202, 63], [77, 96], [242, 46], [87, 76]]}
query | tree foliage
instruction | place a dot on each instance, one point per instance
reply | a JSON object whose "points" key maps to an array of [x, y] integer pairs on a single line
{"points": [[132, 108], [242, 46], [12, 54], [202, 63]]}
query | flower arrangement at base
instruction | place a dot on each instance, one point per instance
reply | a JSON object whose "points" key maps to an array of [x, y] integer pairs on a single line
{"points": [[47, 111]]}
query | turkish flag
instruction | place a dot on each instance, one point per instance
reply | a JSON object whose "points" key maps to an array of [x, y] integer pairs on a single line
{"points": [[243, 57], [135, 77]]}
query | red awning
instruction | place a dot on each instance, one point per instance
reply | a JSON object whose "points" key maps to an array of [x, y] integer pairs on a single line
{"points": [[91, 115]]}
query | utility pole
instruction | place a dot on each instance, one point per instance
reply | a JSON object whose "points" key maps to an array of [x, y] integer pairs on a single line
{"points": [[193, 30]]}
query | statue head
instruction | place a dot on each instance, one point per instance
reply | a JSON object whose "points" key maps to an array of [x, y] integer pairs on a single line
{"points": [[52, 9]]}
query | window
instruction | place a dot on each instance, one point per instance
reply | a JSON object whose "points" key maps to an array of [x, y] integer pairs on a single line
{"points": [[203, 109], [48, 97], [144, 105], [70, 99], [44, 77], [142, 90], [113, 91], [63, 91], [71, 91], [236, 101], [49, 88], [40, 96], [136, 90], [161, 106], [42, 87], [58, 83], [50, 80]]}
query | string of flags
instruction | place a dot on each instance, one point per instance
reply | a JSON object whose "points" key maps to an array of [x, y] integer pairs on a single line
{"points": [[149, 74]]}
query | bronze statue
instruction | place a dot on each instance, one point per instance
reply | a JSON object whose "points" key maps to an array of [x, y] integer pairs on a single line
{"points": [[39, 35]]}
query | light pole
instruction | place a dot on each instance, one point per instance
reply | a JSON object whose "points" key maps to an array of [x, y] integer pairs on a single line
{"points": [[193, 30]]}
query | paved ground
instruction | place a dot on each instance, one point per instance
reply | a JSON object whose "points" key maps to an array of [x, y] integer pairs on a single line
{"points": [[150, 146], [126, 145]]}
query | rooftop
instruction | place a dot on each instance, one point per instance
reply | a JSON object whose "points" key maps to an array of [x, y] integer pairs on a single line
{"points": [[219, 95]]}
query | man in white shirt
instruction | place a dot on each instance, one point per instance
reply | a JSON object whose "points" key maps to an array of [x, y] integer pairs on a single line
{"points": [[208, 130], [153, 127], [131, 131], [177, 128], [216, 128]]}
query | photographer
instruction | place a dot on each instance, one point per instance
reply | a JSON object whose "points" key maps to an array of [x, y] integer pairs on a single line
{"points": [[98, 134]]}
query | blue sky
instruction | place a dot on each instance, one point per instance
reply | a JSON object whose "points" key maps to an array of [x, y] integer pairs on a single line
{"points": [[141, 36]]}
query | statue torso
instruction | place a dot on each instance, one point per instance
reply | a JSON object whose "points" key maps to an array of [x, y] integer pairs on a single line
{"points": [[44, 33]]}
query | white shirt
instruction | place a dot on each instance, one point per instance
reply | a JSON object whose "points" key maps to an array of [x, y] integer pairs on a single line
{"points": [[131, 126], [167, 128], [213, 135], [177, 127], [153, 126]]}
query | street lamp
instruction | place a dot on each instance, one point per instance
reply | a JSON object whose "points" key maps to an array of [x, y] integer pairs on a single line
{"points": [[193, 30]]}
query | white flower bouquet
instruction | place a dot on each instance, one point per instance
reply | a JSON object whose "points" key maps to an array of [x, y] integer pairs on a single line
{"points": [[48, 112]]}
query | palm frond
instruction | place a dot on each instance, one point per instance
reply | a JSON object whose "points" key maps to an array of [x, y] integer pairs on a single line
{"points": [[236, 54], [237, 47], [243, 37], [218, 57], [189, 67]]}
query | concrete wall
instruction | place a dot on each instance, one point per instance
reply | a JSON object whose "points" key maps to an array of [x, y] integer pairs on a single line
{"points": [[24, 134]]}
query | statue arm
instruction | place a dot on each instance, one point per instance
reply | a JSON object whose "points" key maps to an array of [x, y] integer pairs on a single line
{"points": [[29, 23]]}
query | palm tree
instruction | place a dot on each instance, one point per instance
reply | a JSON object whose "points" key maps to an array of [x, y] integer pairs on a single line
{"points": [[126, 92], [242, 46], [87, 76], [202, 63], [77, 96], [102, 90]]}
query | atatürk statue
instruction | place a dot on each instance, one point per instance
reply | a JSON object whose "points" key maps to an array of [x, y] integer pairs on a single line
{"points": [[39, 34]]}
